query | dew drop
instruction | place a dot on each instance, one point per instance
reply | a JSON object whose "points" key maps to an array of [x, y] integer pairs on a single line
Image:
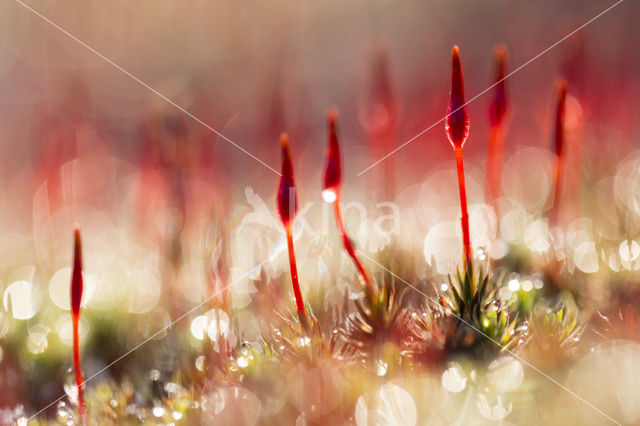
{"points": [[454, 379], [243, 361], [154, 375], [200, 363]]}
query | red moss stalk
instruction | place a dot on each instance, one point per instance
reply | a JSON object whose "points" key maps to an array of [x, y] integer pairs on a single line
{"points": [[457, 127], [288, 208], [332, 191], [498, 110], [559, 139], [76, 299], [466, 241]]}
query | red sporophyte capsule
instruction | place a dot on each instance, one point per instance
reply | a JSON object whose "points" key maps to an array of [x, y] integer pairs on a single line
{"points": [[499, 104], [333, 171], [287, 198], [560, 116], [457, 122], [287, 208], [76, 278], [76, 299]]}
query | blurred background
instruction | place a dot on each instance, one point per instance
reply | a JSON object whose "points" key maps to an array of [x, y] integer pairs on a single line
{"points": [[155, 192], [252, 70]]}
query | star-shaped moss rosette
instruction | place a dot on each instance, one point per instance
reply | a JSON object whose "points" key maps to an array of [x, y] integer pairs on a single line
{"points": [[380, 327], [555, 330], [292, 342], [484, 320]]}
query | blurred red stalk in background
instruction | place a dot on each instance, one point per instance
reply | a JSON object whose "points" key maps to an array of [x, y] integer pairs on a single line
{"points": [[381, 118], [498, 110], [457, 127], [559, 146], [76, 299], [332, 191], [287, 201]]}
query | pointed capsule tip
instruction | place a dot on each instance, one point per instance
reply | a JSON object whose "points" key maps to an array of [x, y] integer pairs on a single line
{"points": [[457, 81], [332, 115], [456, 64], [77, 245], [561, 90], [500, 53], [284, 140], [332, 118], [333, 170], [561, 86], [455, 56]]}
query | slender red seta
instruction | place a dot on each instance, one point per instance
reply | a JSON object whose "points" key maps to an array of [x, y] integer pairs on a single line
{"points": [[288, 208], [332, 191], [457, 127], [498, 110], [559, 139], [76, 299]]}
